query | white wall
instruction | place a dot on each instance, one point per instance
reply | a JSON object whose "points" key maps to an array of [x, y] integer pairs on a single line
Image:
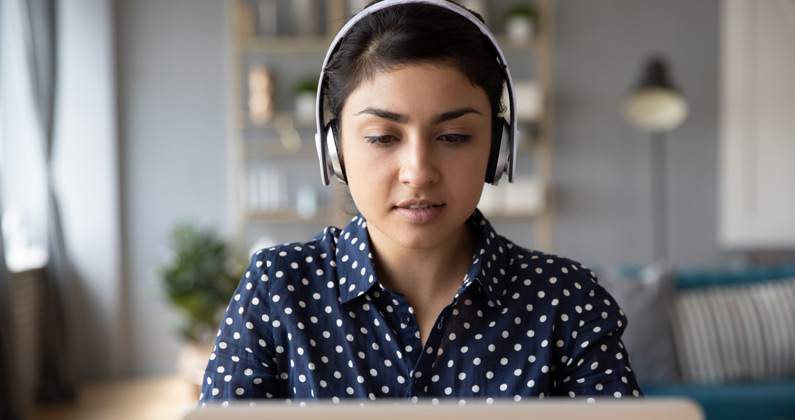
{"points": [[757, 199], [87, 180], [602, 165], [171, 62]]}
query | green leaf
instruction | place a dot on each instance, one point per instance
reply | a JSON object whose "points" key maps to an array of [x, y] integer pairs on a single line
{"points": [[199, 280]]}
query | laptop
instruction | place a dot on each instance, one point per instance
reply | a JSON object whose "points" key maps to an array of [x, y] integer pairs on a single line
{"points": [[551, 408]]}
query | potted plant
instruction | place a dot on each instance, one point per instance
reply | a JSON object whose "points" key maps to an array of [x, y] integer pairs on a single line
{"points": [[199, 281], [520, 22], [305, 96]]}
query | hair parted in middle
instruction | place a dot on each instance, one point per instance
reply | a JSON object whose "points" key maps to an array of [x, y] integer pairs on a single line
{"points": [[409, 34]]}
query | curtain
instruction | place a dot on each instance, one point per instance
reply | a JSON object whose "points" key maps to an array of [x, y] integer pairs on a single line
{"points": [[39, 30], [8, 407]]}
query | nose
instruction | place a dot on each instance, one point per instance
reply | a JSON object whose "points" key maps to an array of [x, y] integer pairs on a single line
{"points": [[418, 163]]}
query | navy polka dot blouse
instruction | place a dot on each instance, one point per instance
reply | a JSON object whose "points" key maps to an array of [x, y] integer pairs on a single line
{"points": [[311, 320]]}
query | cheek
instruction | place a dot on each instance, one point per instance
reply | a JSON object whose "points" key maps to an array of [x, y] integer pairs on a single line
{"points": [[472, 165], [469, 178], [365, 170], [358, 159]]}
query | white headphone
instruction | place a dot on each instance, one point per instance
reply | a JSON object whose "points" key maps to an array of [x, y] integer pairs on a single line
{"points": [[502, 157]]}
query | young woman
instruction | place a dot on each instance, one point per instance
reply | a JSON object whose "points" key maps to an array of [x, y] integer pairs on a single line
{"points": [[418, 296]]}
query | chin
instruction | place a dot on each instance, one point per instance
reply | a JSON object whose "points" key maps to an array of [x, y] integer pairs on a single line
{"points": [[418, 243], [421, 237]]}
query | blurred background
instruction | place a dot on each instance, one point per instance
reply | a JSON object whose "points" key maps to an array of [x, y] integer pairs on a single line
{"points": [[148, 146]]}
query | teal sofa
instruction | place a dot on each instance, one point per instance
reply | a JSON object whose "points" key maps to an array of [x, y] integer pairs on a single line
{"points": [[774, 400], [722, 337]]}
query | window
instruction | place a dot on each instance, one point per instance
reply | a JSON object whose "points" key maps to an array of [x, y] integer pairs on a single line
{"points": [[22, 166]]}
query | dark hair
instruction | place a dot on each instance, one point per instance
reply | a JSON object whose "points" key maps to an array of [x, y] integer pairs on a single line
{"points": [[412, 34]]}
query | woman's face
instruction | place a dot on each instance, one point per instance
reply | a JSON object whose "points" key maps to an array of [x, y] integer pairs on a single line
{"points": [[416, 142]]}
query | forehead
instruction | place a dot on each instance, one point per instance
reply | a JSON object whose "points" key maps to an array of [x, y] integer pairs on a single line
{"points": [[417, 86]]}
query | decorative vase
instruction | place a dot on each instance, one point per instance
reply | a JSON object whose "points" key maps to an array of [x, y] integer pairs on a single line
{"points": [[519, 29], [192, 361], [305, 107]]}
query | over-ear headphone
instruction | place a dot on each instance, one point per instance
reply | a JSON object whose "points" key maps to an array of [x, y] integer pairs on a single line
{"points": [[502, 157]]}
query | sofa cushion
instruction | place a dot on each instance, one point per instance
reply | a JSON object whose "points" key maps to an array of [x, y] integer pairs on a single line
{"points": [[698, 277], [735, 332], [758, 400], [645, 294]]}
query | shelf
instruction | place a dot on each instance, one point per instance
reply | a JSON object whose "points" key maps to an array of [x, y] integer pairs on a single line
{"points": [[508, 215], [288, 116], [320, 44], [286, 44], [527, 197], [287, 216], [272, 148], [509, 46], [279, 137], [279, 148]]}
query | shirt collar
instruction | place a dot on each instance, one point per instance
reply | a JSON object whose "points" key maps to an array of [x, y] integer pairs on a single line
{"points": [[354, 259], [490, 263], [356, 269]]}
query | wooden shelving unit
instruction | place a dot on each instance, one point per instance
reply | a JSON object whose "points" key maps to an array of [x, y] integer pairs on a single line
{"points": [[257, 144]]}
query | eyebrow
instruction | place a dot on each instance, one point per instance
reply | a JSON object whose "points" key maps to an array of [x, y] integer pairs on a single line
{"points": [[451, 115], [387, 115], [402, 118]]}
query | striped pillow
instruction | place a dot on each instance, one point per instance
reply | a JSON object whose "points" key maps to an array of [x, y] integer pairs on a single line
{"points": [[738, 332]]}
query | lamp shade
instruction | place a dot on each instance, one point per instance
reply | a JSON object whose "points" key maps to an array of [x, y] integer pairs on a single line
{"points": [[655, 105]]}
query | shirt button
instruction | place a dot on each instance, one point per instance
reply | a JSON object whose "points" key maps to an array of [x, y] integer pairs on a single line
{"points": [[419, 383], [405, 319]]}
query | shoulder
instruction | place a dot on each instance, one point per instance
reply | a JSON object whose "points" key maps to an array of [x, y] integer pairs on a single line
{"points": [[555, 275], [514, 261], [522, 269], [567, 288], [525, 260], [572, 288], [290, 261]]}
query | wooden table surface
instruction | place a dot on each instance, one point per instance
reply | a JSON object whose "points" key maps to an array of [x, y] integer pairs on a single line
{"points": [[156, 398]]}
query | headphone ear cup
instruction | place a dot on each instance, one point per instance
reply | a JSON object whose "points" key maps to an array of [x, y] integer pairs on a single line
{"points": [[498, 157], [504, 156], [333, 158]]}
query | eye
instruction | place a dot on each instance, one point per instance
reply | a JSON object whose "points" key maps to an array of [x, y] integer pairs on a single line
{"points": [[380, 140], [455, 138]]}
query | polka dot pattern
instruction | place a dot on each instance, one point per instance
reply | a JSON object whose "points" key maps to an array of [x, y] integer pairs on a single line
{"points": [[311, 320]]}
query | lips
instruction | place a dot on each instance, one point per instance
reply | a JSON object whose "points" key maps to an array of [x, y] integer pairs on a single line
{"points": [[419, 211]]}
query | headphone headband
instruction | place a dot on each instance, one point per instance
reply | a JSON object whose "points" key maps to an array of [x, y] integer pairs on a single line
{"points": [[320, 135]]}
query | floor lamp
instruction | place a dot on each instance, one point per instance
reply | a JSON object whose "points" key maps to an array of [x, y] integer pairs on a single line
{"points": [[656, 106]]}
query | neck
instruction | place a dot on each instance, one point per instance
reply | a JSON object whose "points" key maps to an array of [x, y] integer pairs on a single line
{"points": [[427, 277], [430, 277]]}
